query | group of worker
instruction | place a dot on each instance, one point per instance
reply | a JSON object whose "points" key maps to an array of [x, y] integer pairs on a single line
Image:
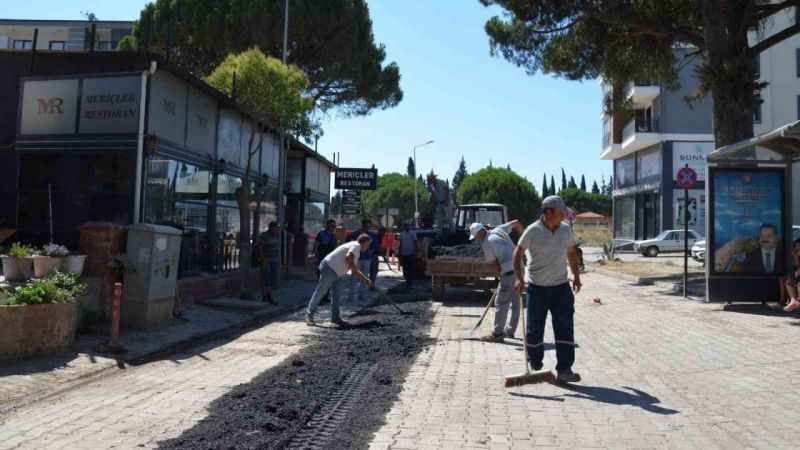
{"points": [[535, 265]]}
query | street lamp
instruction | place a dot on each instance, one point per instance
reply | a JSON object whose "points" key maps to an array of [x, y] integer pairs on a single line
{"points": [[416, 196]]}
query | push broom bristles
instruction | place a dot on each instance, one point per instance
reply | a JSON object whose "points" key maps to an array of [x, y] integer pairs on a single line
{"points": [[540, 376]]}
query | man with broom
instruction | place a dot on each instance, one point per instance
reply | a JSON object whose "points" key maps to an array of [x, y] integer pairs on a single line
{"points": [[547, 245], [499, 248]]}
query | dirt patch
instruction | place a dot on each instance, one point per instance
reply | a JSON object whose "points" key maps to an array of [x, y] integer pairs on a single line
{"points": [[272, 409], [646, 269]]}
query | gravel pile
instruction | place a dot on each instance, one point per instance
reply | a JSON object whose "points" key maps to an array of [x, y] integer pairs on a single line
{"points": [[272, 409], [465, 251]]}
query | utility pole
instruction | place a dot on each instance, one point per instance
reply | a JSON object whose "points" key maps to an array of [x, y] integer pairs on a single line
{"points": [[283, 147]]}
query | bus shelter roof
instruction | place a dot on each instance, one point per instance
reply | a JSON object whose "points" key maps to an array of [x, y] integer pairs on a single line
{"points": [[781, 144]]}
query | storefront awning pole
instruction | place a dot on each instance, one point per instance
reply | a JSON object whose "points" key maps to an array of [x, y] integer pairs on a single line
{"points": [[137, 199]]}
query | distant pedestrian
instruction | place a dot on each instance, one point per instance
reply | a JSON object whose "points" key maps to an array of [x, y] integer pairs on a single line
{"points": [[336, 265], [498, 248], [547, 245], [408, 252], [269, 251], [325, 241]]}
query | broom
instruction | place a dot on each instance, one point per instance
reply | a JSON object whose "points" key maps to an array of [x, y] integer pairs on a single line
{"points": [[539, 376], [469, 334]]}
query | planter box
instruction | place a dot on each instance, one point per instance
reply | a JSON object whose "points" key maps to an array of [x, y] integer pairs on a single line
{"points": [[44, 265], [33, 330]]}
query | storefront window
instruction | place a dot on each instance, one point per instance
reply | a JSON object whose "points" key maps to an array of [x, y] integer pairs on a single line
{"points": [[649, 166], [177, 195], [624, 218], [268, 207], [228, 222], [624, 172], [294, 175]]}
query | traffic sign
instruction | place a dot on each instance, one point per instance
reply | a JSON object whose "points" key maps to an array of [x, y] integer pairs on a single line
{"points": [[686, 178]]}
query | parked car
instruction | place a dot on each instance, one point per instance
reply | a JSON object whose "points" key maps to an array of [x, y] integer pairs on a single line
{"points": [[699, 251], [623, 245], [667, 241]]}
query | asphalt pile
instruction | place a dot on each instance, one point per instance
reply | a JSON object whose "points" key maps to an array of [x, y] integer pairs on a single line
{"points": [[465, 251], [275, 408]]}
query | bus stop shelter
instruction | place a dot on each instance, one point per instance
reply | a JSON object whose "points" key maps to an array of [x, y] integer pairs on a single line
{"points": [[749, 227]]}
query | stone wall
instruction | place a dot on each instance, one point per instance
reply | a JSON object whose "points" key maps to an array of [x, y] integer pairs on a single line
{"points": [[32, 330], [203, 287]]}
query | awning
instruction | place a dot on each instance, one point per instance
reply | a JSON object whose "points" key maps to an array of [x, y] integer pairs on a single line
{"points": [[783, 141]]}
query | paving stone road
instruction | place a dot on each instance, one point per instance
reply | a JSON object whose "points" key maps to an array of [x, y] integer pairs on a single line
{"points": [[659, 372]]}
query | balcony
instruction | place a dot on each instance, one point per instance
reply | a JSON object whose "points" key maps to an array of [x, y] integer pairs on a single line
{"points": [[642, 93], [640, 133], [610, 150]]}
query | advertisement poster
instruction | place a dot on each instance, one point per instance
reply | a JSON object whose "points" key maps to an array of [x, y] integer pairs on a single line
{"points": [[692, 153], [697, 210], [748, 222]]}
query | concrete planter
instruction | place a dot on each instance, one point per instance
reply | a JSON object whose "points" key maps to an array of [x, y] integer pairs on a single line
{"points": [[17, 269], [73, 264], [33, 330], [44, 265]]}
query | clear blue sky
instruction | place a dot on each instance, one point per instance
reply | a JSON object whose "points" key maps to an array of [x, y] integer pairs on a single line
{"points": [[470, 103]]}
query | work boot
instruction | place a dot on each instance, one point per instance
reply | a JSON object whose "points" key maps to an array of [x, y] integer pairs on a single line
{"points": [[493, 338], [310, 320], [568, 376], [536, 367], [510, 334]]}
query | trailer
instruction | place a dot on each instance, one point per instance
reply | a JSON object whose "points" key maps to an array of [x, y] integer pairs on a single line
{"points": [[460, 272]]}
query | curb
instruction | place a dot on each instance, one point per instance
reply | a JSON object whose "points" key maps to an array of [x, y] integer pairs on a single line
{"points": [[643, 281], [258, 319]]}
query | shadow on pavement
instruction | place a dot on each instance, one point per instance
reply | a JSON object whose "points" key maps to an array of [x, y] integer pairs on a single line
{"points": [[539, 397], [270, 410], [618, 397], [756, 309]]}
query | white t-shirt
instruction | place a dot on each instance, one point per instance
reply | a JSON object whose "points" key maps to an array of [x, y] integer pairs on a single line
{"points": [[546, 252], [336, 259]]}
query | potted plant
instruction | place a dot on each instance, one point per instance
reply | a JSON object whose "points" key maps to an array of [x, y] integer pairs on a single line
{"points": [[49, 259], [18, 264], [73, 264]]}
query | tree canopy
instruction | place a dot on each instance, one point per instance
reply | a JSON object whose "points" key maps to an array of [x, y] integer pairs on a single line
{"points": [[582, 201], [395, 190], [461, 173], [624, 41], [331, 41], [495, 185], [266, 86]]}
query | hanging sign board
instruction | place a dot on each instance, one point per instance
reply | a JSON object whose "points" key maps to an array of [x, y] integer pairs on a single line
{"points": [[357, 179]]}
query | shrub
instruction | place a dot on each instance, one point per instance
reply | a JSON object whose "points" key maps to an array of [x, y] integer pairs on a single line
{"points": [[56, 288], [20, 251]]}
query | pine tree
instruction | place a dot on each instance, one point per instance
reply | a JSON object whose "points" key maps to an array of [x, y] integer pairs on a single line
{"points": [[490, 162], [610, 186], [583, 183], [552, 190], [603, 184], [411, 171], [508, 167], [572, 184], [545, 190], [461, 173], [595, 189], [563, 179]]}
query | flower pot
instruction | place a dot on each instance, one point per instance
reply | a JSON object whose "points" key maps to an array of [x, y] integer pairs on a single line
{"points": [[43, 265], [73, 264], [17, 269]]}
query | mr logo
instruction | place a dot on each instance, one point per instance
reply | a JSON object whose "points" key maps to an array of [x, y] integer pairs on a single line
{"points": [[53, 105]]}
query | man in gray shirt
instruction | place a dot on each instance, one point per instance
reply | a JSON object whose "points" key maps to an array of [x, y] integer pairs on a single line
{"points": [[547, 245], [499, 249]]}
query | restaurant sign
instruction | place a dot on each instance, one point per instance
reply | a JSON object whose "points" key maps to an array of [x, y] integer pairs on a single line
{"points": [[356, 179], [91, 105]]}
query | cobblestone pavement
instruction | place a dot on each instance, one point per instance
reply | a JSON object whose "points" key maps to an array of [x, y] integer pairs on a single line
{"points": [[659, 372]]}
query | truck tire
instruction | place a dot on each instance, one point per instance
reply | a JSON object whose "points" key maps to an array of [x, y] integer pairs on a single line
{"points": [[437, 285]]}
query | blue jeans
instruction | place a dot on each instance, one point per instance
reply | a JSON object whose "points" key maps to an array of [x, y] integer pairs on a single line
{"points": [[357, 288], [269, 270], [329, 281], [561, 304]]}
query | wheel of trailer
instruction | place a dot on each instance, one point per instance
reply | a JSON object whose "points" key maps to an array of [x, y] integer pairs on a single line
{"points": [[437, 285]]}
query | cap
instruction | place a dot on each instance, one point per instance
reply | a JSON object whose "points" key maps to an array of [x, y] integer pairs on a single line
{"points": [[474, 229], [554, 202]]}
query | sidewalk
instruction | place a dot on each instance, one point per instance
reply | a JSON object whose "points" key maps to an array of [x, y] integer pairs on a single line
{"points": [[28, 381]]}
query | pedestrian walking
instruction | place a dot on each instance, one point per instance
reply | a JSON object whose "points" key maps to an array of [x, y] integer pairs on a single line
{"points": [[408, 251], [269, 243], [366, 257], [325, 241], [547, 245], [498, 248], [335, 266]]}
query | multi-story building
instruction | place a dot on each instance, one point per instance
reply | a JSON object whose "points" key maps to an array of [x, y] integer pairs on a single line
{"points": [[648, 145], [62, 35]]}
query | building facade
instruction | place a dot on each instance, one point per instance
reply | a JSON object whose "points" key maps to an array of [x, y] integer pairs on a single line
{"points": [[647, 146], [63, 35]]}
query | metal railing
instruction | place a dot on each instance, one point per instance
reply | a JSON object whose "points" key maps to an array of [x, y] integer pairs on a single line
{"points": [[639, 126]]}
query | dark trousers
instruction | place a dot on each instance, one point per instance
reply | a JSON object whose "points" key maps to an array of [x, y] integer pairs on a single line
{"points": [[561, 304], [408, 268]]}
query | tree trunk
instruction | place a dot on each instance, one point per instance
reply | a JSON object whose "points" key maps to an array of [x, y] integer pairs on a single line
{"points": [[728, 72]]}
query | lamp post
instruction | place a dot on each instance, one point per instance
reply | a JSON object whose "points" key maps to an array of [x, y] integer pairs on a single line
{"points": [[416, 196]]}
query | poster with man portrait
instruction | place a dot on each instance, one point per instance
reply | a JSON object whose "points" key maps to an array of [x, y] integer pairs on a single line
{"points": [[748, 222]]}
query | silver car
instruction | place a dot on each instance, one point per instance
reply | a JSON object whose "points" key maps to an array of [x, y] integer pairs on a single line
{"points": [[667, 241], [699, 251]]}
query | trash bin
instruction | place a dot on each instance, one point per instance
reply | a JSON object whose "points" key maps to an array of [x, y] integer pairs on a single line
{"points": [[151, 276]]}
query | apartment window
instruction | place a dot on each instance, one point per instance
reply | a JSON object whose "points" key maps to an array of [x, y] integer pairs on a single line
{"points": [[757, 110], [57, 45], [757, 65], [20, 44]]}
